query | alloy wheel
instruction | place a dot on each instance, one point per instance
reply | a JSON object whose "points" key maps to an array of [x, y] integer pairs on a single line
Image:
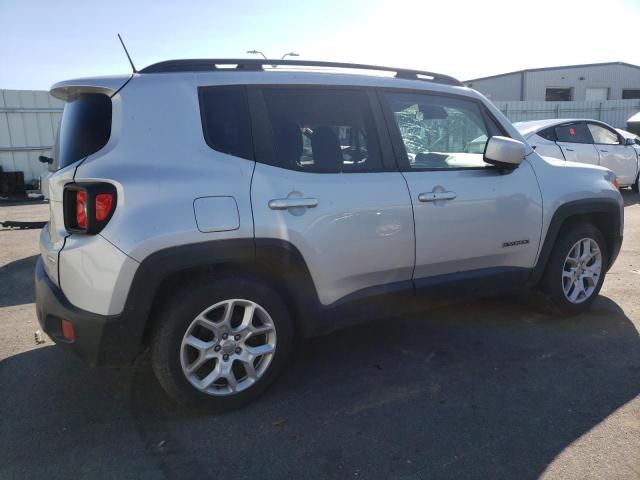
{"points": [[228, 347], [581, 271]]}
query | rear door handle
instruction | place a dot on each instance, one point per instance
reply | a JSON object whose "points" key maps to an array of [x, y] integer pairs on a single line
{"points": [[569, 149], [604, 151], [435, 196], [286, 203]]}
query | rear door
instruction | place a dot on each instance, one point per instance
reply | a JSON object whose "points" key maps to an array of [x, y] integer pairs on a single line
{"points": [[621, 159], [575, 141], [326, 182]]}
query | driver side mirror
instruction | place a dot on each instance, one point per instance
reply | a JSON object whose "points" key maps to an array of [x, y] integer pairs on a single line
{"points": [[504, 152], [629, 141]]}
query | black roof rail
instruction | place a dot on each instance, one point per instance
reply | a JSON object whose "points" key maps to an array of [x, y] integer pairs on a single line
{"points": [[253, 64]]}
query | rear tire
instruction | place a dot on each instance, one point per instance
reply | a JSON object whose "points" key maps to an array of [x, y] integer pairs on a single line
{"points": [[219, 344], [636, 186], [576, 270]]}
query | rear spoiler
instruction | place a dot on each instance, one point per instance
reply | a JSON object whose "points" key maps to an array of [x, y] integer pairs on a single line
{"points": [[109, 86]]}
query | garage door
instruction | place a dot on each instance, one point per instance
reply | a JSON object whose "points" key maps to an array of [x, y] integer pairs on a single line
{"points": [[597, 93]]}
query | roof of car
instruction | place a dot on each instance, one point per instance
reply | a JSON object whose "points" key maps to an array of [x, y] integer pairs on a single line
{"points": [[534, 126], [259, 65]]}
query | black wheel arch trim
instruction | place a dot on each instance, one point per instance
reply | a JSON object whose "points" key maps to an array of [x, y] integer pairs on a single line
{"points": [[581, 209]]}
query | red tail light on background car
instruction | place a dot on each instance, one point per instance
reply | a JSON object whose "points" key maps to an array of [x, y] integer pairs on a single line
{"points": [[88, 207]]}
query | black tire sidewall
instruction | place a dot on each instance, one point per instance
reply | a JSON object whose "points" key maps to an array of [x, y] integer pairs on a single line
{"points": [[178, 313], [553, 275]]}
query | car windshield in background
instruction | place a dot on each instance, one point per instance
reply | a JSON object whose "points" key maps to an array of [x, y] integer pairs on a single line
{"points": [[85, 128]]}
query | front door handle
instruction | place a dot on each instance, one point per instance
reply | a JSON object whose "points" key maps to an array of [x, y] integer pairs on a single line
{"points": [[435, 196], [286, 203], [569, 149]]}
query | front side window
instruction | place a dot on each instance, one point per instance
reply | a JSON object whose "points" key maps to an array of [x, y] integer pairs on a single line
{"points": [[323, 130], [225, 120], [440, 132], [603, 135], [573, 133]]}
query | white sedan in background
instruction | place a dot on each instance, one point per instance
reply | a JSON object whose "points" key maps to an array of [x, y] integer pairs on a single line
{"points": [[585, 141]]}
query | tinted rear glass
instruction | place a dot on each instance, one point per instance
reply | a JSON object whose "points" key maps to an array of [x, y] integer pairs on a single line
{"points": [[573, 133], [549, 134], [225, 120], [323, 130], [85, 128]]}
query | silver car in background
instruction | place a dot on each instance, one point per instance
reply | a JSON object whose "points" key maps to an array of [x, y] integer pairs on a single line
{"points": [[585, 141]]}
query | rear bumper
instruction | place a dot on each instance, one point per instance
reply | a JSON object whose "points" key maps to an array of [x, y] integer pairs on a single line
{"points": [[100, 340]]}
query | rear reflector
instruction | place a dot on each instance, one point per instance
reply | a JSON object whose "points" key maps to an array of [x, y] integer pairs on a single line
{"points": [[104, 204], [67, 330], [81, 209]]}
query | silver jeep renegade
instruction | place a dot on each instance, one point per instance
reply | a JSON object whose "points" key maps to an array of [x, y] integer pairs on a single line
{"points": [[219, 211]]}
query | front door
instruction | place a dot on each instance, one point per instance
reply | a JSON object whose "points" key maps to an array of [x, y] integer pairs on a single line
{"points": [[469, 216], [328, 185], [621, 159]]}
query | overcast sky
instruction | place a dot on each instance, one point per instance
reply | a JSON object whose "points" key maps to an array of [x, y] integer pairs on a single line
{"points": [[44, 41]]}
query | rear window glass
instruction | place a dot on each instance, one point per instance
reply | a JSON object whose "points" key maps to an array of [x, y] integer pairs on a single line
{"points": [[573, 133], [549, 134], [323, 130], [225, 120], [85, 128]]}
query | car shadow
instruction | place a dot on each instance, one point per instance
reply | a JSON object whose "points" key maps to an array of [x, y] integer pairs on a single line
{"points": [[482, 390], [630, 198], [16, 282]]}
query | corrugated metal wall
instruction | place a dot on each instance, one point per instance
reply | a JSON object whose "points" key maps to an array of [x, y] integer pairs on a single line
{"points": [[504, 87], [28, 126], [614, 112], [513, 87], [614, 77]]}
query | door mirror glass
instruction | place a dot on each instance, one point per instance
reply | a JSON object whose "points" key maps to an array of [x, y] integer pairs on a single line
{"points": [[504, 152]]}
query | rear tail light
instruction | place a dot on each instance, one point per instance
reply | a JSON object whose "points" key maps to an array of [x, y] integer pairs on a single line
{"points": [[104, 204], [88, 207], [81, 209]]}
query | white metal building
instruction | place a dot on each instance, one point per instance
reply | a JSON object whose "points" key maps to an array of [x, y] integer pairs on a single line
{"points": [[28, 126], [590, 82]]}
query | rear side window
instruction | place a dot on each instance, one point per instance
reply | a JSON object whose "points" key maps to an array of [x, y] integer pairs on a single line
{"points": [[85, 128], [323, 130], [225, 120], [573, 133], [548, 134]]}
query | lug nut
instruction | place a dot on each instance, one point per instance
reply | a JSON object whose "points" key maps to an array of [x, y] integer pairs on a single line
{"points": [[237, 337], [217, 348], [224, 336], [225, 357], [238, 350]]}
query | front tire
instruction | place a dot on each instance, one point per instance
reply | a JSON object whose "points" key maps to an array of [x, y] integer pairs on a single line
{"points": [[576, 270], [219, 344], [636, 186]]}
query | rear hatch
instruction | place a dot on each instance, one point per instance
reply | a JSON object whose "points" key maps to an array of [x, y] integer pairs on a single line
{"points": [[84, 129]]}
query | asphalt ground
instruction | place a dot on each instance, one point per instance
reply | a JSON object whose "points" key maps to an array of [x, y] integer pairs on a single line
{"points": [[491, 389]]}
